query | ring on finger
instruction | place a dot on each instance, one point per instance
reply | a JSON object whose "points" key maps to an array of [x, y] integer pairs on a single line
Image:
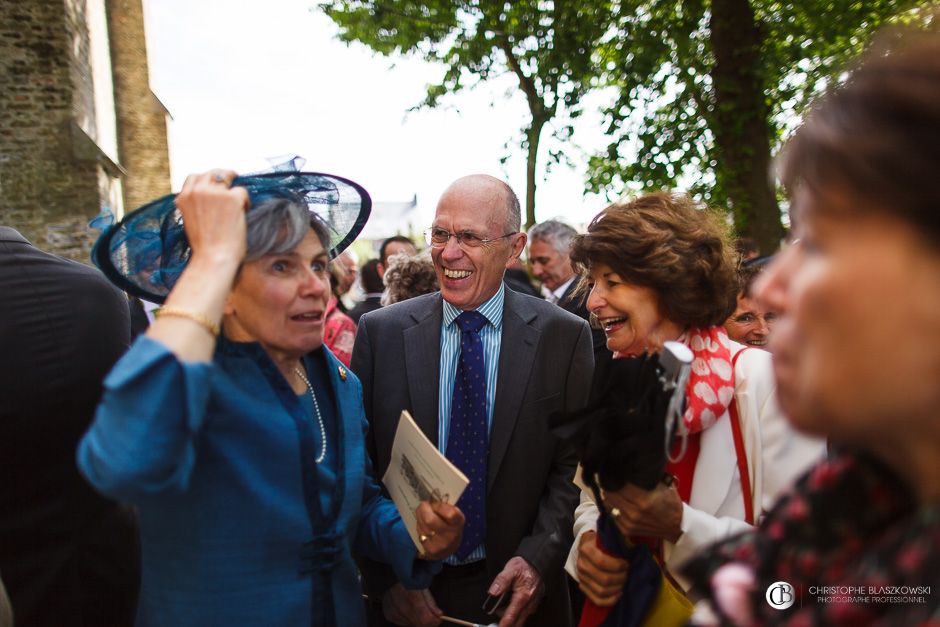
{"points": [[219, 178]]}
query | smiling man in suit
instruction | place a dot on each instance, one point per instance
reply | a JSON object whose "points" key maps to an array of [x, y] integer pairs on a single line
{"points": [[481, 368]]}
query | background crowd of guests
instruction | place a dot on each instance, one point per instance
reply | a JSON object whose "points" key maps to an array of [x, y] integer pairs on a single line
{"points": [[224, 467]]}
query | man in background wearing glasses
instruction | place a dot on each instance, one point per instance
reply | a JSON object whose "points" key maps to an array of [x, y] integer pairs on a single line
{"points": [[505, 366]]}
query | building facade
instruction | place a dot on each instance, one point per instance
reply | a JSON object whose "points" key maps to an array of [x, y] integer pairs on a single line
{"points": [[80, 129]]}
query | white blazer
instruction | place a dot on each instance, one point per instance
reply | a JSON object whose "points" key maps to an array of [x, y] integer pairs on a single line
{"points": [[776, 456]]}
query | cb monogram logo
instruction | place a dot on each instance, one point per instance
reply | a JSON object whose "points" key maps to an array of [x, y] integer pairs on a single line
{"points": [[780, 595]]}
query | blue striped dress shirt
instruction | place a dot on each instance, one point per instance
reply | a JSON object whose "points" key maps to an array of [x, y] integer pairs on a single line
{"points": [[491, 335]]}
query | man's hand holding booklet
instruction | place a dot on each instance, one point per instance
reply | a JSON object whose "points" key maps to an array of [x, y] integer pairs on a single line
{"points": [[424, 486]]}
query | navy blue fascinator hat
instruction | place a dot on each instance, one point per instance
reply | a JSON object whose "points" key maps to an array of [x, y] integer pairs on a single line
{"points": [[145, 253]]}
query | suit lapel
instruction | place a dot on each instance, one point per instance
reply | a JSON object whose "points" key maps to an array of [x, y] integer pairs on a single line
{"points": [[569, 292], [516, 352], [569, 301], [422, 364]]}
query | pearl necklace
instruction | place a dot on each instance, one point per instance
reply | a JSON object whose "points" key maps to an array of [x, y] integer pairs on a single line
{"points": [[316, 406]]}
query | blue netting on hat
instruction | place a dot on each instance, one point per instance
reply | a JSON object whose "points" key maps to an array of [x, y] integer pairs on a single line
{"points": [[145, 253]]}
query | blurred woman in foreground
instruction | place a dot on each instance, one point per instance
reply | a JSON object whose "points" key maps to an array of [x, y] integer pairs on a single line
{"points": [[660, 268], [244, 452], [857, 360]]}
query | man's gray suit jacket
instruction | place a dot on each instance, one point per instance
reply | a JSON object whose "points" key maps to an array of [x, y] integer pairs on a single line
{"points": [[545, 365]]}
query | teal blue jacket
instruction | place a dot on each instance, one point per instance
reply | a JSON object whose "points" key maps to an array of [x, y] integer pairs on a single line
{"points": [[239, 525]]}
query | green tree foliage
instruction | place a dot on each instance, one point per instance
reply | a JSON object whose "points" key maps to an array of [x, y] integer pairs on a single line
{"points": [[548, 46], [708, 88]]}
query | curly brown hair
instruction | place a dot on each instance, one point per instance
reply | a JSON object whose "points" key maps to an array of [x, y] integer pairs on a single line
{"points": [[672, 245], [408, 276]]}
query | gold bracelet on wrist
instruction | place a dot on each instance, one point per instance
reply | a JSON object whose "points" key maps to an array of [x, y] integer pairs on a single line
{"points": [[200, 319]]}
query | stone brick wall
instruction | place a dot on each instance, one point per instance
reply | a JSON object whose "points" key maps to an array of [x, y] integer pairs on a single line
{"points": [[44, 191], [54, 178], [142, 132]]}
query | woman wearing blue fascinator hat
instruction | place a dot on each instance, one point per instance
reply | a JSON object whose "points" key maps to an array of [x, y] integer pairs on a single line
{"points": [[237, 435]]}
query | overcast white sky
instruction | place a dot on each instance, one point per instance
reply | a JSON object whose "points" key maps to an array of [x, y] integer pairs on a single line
{"points": [[247, 80]]}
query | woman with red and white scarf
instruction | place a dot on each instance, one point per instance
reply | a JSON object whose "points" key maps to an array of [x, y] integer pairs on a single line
{"points": [[661, 268]]}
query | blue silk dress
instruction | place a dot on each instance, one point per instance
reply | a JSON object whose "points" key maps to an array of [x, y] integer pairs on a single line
{"points": [[239, 525]]}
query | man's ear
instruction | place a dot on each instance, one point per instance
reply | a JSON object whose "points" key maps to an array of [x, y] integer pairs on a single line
{"points": [[518, 245]]}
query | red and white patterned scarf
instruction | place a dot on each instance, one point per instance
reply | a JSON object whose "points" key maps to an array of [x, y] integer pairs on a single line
{"points": [[711, 382]]}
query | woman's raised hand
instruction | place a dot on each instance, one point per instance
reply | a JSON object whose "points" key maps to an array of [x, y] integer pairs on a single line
{"points": [[214, 215], [214, 219]]}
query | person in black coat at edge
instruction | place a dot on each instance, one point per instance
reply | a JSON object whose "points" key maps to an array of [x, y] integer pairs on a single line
{"points": [[67, 555]]}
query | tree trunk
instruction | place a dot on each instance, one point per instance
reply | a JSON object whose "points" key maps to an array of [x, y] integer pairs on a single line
{"points": [[533, 136], [740, 122]]}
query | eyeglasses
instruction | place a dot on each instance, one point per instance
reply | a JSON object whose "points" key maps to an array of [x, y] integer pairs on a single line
{"points": [[437, 237]]}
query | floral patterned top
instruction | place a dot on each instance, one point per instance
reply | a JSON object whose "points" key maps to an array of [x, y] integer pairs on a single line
{"points": [[339, 332], [852, 541]]}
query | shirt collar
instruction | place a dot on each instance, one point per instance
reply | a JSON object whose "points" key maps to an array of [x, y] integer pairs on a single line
{"points": [[556, 294], [492, 310], [9, 234], [564, 287]]}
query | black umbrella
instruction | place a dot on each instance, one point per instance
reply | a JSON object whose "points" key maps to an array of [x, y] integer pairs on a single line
{"points": [[624, 435]]}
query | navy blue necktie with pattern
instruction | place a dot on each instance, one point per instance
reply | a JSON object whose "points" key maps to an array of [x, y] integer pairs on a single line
{"points": [[467, 440]]}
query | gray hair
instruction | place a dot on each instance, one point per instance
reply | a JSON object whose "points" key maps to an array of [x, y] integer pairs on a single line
{"points": [[557, 234], [513, 210], [277, 225]]}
